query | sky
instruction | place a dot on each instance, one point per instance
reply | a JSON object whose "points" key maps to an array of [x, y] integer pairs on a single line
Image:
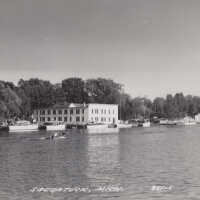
{"points": [[150, 46]]}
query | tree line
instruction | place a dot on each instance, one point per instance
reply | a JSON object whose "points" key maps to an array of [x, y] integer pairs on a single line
{"points": [[20, 100]]}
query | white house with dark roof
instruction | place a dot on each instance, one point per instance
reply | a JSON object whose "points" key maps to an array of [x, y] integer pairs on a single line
{"points": [[78, 114]]}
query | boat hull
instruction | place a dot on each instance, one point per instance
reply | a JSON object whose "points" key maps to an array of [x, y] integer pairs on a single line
{"points": [[60, 127], [23, 128], [146, 124], [101, 128], [124, 126], [190, 123]]}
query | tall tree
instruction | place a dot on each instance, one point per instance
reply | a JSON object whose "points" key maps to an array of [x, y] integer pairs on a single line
{"points": [[74, 89], [103, 90]]}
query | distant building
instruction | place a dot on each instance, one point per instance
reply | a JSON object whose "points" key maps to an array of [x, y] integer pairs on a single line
{"points": [[78, 114]]}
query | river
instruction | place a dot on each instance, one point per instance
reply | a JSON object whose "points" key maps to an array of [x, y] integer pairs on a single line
{"points": [[139, 163]]}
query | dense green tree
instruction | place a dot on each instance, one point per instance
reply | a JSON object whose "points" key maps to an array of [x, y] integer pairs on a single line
{"points": [[169, 107], [158, 107], [40, 92], [74, 90], [103, 90]]}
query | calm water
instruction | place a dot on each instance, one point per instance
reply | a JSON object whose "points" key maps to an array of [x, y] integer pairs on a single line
{"points": [[135, 159]]}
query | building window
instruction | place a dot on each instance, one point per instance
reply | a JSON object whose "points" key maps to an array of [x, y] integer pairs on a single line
{"points": [[48, 119], [65, 119], [77, 111], [113, 111], [105, 111], [96, 119], [71, 111], [60, 112], [101, 111], [82, 111], [42, 119], [59, 118], [92, 111], [109, 119], [65, 112], [54, 112], [36, 112], [102, 119], [70, 119], [43, 112], [54, 118], [48, 112], [109, 111], [77, 119], [82, 119]]}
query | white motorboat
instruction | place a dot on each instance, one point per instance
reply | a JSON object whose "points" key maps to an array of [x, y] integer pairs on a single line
{"points": [[53, 126], [123, 125], [144, 123], [101, 128], [167, 122], [22, 126], [190, 123], [187, 121]]}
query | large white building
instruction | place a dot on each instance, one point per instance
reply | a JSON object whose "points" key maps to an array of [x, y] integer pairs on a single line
{"points": [[78, 114]]}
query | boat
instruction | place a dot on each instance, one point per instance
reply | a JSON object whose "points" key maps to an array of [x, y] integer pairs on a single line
{"points": [[112, 125], [101, 128], [144, 123], [187, 121], [123, 125], [52, 126], [22, 126], [167, 122], [3, 126], [164, 122]]}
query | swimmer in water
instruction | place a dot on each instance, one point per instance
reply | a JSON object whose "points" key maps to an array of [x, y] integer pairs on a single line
{"points": [[63, 133]]}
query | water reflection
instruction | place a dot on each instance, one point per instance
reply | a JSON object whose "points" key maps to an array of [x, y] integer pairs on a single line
{"points": [[103, 159]]}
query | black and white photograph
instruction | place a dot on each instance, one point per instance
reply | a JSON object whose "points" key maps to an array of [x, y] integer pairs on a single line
{"points": [[99, 99]]}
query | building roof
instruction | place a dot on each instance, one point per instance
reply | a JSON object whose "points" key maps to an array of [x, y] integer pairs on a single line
{"points": [[73, 105], [65, 106]]}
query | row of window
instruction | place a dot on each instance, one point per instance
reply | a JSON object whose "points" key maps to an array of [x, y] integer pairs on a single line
{"points": [[102, 119], [60, 112], [61, 119], [102, 111]]}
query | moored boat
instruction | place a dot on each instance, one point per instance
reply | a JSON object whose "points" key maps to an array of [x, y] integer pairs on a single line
{"points": [[22, 126], [187, 121], [190, 123], [167, 122], [53, 126], [144, 123], [3, 126], [101, 128], [123, 125]]}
